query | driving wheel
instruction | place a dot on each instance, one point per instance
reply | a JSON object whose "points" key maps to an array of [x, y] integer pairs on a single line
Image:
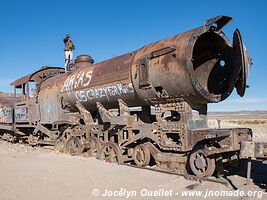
{"points": [[74, 146], [92, 147], [59, 145], [110, 152]]}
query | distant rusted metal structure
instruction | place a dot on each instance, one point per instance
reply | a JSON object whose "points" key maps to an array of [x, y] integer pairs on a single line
{"points": [[137, 107]]}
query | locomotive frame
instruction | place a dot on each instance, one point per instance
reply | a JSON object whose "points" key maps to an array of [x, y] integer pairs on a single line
{"points": [[142, 121]]}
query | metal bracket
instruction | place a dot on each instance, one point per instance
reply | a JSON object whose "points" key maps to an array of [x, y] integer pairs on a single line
{"points": [[87, 116], [247, 149], [43, 129], [104, 113], [144, 74], [124, 109]]}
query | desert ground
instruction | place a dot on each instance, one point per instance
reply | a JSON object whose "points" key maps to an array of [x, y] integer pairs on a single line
{"points": [[256, 120], [40, 173]]}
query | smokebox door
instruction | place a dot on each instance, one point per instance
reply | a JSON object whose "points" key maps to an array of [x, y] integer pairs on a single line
{"points": [[241, 63], [217, 23]]}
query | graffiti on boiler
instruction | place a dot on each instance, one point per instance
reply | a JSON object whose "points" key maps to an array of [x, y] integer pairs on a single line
{"points": [[81, 79], [117, 89], [80, 82]]}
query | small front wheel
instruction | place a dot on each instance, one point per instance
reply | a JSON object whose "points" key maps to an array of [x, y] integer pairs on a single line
{"points": [[141, 155], [201, 164]]}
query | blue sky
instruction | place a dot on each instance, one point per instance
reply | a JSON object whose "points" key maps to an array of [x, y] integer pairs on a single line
{"points": [[32, 33]]}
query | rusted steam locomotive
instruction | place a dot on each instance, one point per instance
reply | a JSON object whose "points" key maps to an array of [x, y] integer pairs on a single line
{"points": [[137, 108]]}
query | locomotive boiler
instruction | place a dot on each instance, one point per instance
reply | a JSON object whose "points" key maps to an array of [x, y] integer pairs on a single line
{"points": [[199, 66], [137, 108]]}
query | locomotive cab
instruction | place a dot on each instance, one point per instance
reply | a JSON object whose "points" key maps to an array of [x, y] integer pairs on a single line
{"points": [[26, 110], [21, 110]]}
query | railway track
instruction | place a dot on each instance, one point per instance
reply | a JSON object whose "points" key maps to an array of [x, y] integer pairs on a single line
{"points": [[221, 180]]}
